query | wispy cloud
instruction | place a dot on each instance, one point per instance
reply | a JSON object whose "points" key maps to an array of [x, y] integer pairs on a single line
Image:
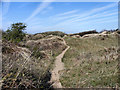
{"points": [[42, 18], [75, 18], [67, 13], [104, 8], [76, 15], [99, 15], [48, 9], [40, 8], [95, 13]]}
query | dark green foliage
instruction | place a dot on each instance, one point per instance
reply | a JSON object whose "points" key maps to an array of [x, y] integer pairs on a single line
{"points": [[84, 33], [15, 33]]}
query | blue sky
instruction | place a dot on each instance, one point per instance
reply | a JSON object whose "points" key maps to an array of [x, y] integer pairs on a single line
{"points": [[69, 17]]}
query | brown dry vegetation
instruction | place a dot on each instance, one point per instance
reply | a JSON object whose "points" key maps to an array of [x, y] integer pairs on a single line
{"points": [[91, 62], [29, 66]]}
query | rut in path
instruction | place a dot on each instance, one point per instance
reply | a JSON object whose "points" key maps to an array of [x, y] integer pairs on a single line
{"points": [[59, 65]]}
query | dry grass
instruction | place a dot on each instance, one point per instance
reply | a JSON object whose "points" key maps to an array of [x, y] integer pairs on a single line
{"points": [[30, 67], [91, 62]]}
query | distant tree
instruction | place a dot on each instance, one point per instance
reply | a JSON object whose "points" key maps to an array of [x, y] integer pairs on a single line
{"points": [[16, 32]]}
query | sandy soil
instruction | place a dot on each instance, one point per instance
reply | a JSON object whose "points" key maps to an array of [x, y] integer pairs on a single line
{"points": [[59, 65]]}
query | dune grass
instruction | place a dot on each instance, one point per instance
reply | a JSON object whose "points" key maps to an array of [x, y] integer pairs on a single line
{"points": [[91, 62]]}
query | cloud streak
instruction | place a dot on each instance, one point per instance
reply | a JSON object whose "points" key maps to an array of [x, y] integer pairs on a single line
{"points": [[75, 18], [67, 13], [40, 8], [88, 15], [45, 18]]}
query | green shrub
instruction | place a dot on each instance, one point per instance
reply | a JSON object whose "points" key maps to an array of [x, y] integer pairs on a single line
{"points": [[15, 33]]}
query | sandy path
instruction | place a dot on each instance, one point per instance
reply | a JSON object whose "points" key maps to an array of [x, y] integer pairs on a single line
{"points": [[59, 65]]}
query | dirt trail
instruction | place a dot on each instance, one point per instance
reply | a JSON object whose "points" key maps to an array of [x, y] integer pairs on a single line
{"points": [[59, 65]]}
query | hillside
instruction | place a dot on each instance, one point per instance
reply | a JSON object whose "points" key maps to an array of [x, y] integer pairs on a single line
{"points": [[91, 61], [55, 59], [29, 66]]}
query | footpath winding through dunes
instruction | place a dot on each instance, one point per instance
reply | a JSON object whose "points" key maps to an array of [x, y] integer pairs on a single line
{"points": [[59, 65]]}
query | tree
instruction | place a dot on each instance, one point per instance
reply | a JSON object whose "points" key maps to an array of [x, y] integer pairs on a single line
{"points": [[16, 32]]}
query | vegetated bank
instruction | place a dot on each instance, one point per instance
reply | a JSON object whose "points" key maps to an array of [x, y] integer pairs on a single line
{"points": [[91, 61], [28, 59]]}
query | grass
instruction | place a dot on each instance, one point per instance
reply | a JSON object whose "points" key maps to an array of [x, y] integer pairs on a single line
{"points": [[90, 62]]}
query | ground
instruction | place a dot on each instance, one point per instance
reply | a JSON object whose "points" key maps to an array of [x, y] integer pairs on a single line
{"points": [[91, 62], [45, 61]]}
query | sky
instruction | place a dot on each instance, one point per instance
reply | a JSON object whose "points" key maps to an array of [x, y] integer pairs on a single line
{"points": [[68, 17]]}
